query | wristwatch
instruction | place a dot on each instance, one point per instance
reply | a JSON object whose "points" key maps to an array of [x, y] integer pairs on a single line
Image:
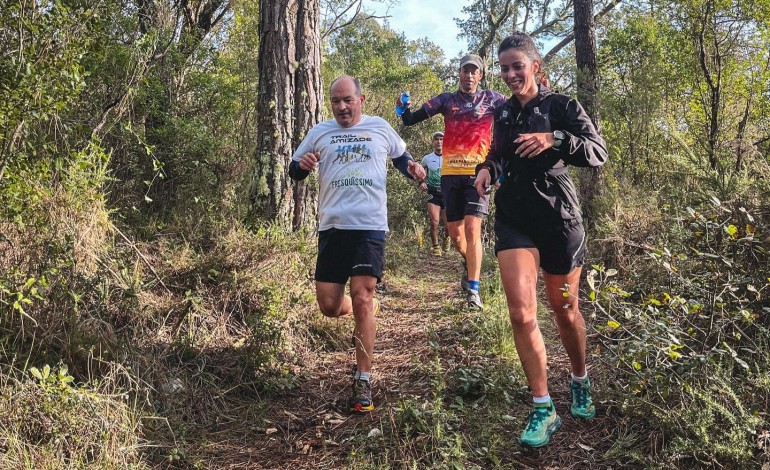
{"points": [[558, 137]]}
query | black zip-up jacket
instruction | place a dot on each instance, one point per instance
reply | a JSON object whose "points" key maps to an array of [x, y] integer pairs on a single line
{"points": [[537, 192]]}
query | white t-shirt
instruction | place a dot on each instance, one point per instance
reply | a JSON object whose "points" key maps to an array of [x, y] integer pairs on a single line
{"points": [[352, 172]]}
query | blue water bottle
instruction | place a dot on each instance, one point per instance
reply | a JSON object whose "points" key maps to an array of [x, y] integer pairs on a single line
{"points": [[404, 100]]}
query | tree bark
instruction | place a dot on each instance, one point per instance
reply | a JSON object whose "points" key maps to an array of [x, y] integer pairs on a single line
{"points": [[275, 104], [308, 107], [289, 104], [591, 179]]}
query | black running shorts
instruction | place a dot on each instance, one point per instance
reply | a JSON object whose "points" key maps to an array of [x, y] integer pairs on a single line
{"points": [[346, 253], [435, 197], [561, 249], [461, 198]]}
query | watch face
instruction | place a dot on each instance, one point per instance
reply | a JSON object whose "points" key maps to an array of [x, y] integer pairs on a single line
{"points": [[558, 135]]}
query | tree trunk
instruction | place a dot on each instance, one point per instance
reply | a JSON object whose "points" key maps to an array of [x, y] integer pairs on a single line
{"points": [[591, 179], [289, 104], [308, 107]]}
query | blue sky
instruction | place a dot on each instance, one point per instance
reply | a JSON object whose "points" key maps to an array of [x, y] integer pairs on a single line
{"points": [[433, 19]]}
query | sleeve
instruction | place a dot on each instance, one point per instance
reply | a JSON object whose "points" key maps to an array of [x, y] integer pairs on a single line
{"points": [[307, 145], [402, 164], [295, 172], [498, 99], [410, 118], [429, 109], [396, 145], [583, 145]]}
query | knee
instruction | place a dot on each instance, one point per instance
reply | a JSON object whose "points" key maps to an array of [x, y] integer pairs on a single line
{"points": [[362, 305], [523, 315], [565, 311], [329, 308], [331, 305]]}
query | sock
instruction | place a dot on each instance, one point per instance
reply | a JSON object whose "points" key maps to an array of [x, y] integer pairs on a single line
{"points": [[541, 400], [580, 379], [363, 376], [473, 285]]}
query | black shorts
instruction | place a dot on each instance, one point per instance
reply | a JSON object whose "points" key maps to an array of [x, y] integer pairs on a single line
{"points": [[346, 253], [461, 198], [436, 198], [561, 248]]}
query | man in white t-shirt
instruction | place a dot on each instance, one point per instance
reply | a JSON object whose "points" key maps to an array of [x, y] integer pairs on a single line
{"points": [[350, 154], [432, 164]]}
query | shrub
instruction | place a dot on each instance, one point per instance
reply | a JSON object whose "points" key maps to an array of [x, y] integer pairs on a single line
{"points": [[692, 332]]}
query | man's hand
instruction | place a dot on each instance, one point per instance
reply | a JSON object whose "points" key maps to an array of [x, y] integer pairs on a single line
{"points": [[423, 186], [482, 183], [309, 161], [399, 103], [416, 170]]}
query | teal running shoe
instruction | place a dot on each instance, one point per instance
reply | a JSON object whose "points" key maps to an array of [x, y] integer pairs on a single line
{"points": [[582, 404], [541, 424]]}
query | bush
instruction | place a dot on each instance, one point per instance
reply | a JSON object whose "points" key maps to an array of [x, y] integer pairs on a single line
{"points": [[49, 422], [691, 334]]}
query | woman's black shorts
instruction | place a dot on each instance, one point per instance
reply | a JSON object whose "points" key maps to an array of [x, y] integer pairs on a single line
{"points": [[561, 248]]}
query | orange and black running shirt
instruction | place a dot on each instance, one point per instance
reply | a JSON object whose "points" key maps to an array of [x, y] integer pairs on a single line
{"points": [[467, 127]]}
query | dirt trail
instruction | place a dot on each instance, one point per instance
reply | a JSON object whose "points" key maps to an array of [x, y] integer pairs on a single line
{"points": [[309, 426]]}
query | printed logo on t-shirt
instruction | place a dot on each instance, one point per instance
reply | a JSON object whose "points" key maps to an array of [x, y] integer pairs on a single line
{"points": [[348, 138], [352, 153], [353, 177]]}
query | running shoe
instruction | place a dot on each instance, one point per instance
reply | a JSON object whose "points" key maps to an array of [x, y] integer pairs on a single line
{"points": [[582, 404], [361, 401], [541, 424], [474, 300], [447, 244], [436, 250]]}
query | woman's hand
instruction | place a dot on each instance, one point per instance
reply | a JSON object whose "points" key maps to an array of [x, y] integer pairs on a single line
{"points": [[482, 183], [533, 145]]}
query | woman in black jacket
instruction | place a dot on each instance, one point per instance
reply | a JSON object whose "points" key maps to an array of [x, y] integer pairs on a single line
{"points": [[538, 224]]}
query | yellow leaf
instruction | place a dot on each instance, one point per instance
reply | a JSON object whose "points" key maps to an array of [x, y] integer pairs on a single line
{"points": [[613, 324], [674, 354]]}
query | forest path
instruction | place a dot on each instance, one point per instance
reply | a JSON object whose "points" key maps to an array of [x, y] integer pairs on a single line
{"points": [[424, 334]]}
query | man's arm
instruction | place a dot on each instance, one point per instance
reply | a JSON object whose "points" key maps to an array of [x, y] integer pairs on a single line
{"points": [[410, 118], [298, 170], [297, 173], [408, 167]]}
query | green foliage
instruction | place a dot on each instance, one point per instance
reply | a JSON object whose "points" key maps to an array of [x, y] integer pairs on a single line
{"points": [[693, 332], [701, 129], [50, 422], [387, 63]]}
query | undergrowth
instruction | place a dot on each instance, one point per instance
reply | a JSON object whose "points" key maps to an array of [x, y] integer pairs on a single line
{"points": [[688, 332]]}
